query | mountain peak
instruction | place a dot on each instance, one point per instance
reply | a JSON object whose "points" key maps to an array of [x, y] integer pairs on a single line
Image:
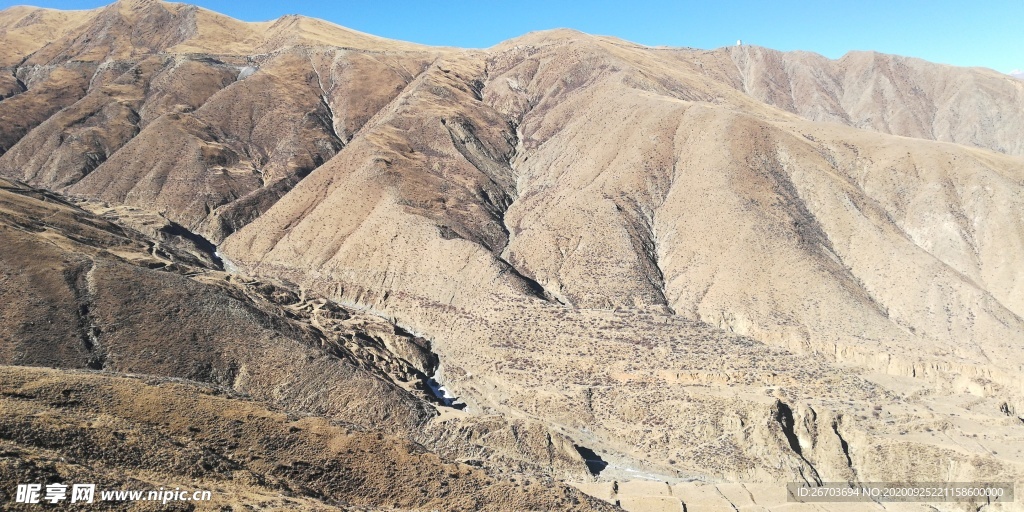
{"points": [[547, 36], [136, 7]]}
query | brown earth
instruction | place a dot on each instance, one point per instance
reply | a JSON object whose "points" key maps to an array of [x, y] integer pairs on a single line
{"points": [[247, 360], [132, 433], [730, 265]]}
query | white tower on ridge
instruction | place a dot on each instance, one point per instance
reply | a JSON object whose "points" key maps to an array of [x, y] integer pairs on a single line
{"points": [[739, 42]]}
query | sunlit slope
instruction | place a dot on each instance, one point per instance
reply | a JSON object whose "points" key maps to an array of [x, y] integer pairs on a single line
{"points": [[660, 254]]}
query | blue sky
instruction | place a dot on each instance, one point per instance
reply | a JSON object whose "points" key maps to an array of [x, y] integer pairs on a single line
{"points": [[963, 33]]}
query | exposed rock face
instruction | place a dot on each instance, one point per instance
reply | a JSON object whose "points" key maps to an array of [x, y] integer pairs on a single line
{"points": [[736, 264]]}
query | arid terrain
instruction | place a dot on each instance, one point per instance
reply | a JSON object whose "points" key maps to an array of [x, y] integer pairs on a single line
{"points": [[245, 257]]}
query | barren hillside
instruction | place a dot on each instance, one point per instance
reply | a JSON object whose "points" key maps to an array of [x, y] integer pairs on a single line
{"points": [[717, 266]]}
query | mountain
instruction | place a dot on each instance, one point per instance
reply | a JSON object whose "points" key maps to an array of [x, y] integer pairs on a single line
{"points": [[238, 383], [711, 268]]}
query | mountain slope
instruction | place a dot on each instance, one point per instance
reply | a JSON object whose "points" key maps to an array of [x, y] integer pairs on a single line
{"points": [[85, 293], [123, 433], [729, 265], [607, 189]]}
